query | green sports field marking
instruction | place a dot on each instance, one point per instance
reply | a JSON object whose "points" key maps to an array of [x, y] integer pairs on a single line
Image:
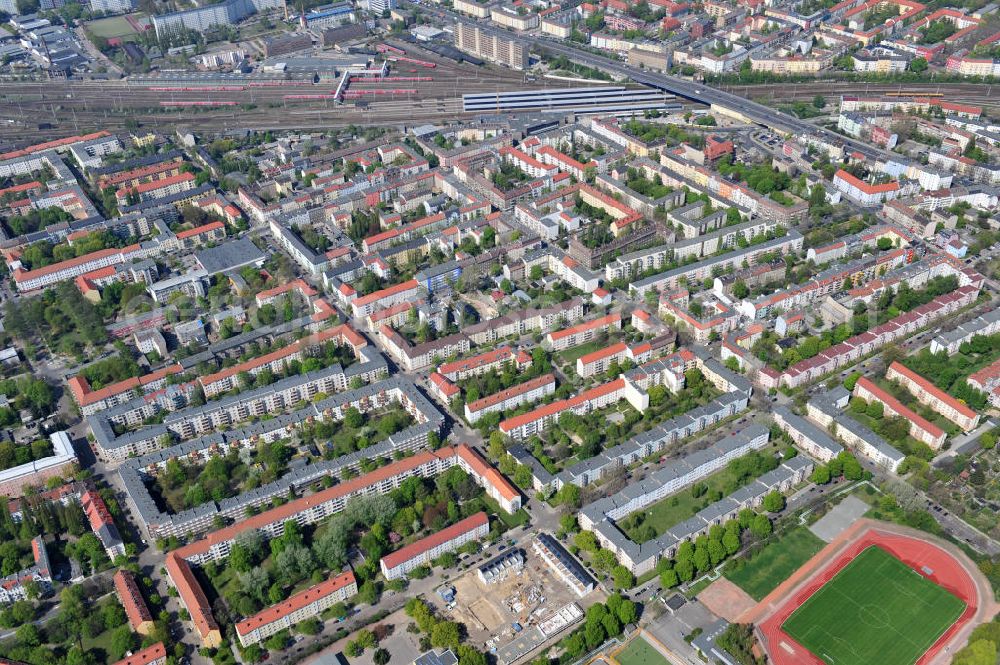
{"points": [[875, 610]]}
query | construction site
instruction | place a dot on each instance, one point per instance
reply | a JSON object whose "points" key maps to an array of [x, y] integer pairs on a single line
{"points": [[512, 604]]}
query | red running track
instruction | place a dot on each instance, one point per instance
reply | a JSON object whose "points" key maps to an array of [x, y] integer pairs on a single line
{"points": [[947, 573]]}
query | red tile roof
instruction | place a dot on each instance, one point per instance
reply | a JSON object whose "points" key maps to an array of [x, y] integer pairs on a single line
{"points": [[27, 275], [83, 395], [892, 403], [864, 186], [933, 390], [601, 322], [132, 600], [561, 405], [503, 354], [191, 593], [297, 346], [145, 656], [603, 353], [513, 391], [446, 387], [288, 510], [404, 554], [295, 603], [486, 472], [204, 228], [154, 185], [385, 293], [299, 285], [96, 510], [57, 143]]}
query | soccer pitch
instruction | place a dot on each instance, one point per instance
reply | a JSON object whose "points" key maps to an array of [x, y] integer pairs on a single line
{"points": [[640, 652], [875, 610]]}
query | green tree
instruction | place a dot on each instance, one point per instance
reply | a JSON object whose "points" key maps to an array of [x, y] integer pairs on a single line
{"points": [[731, 541], [820, 475], [761, 526], [122, 641], [623, 577], [445, 634], [774, 502], [669, 578], [980, 652]]}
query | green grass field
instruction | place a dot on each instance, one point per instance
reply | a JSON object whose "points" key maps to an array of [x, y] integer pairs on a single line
{"points": [[112, 27], [875, 610], [640, 652], [775, 563]]}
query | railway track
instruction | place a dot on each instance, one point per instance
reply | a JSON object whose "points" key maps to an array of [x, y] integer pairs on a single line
{"points": [[71, 106], [979, 94]]}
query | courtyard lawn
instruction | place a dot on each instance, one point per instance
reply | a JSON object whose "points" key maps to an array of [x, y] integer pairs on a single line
{"points": [[640, 652], [569, 356], [674, 509], [774, 564], [876, 610]]}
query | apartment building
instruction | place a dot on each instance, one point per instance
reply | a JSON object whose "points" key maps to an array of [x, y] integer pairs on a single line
{"points": [[598, 362], [276, 361], [870, 341], [825, 283], [493, 360], [62, 463], [102, 524], [560, 340], [362, 306], [865, 193], [526, 425], [13, 586], [155, 654], [950, 342], [920, 428], [988, 381], [933, 397], [806, 435], [472, 8], [826, 409], [414, 357], [156, 189], [601, 515], [491, 47], [511, 398], [400, 563], [525, 321], [303, 605], [139, 617], [29, 280], [704, 269], [311, 509], [514, 19]]}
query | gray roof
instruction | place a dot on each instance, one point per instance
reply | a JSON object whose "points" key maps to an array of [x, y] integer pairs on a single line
{"points": [[132, 470], [808, 430], [967, 331], [655, 280], [229, 256], [445, 657]]}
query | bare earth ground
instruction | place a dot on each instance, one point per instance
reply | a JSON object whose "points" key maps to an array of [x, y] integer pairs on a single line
{"points": [[725, 599], [987, 606]]}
